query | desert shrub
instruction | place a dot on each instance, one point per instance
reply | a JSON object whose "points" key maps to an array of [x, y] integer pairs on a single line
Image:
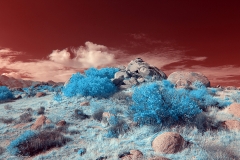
{"points": [[8, 107], [41, 110], [155, 102], [6, 120], [82, 151], [13, 146], [97, 115], [78, 114], [26, 117], [118, 127], [2, 150], [57, 97], [235, 97], [40, 142], [5, 93], [95, 83]]}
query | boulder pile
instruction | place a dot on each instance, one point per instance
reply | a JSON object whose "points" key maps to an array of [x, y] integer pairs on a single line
{"points": [[135, 73]]}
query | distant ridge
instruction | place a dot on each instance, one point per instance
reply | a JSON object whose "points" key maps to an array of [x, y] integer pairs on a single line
{"points": [[13, 82]]}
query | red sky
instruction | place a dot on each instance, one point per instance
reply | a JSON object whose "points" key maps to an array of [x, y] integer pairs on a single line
{"points": [[52, 39]]}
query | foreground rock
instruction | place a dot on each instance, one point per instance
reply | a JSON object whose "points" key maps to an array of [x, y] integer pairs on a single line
{"points": [[39, 122], [137, 72], [183, 79], [234, 109], [158, 158], [231, 125], [168, 143], [133, 154]]}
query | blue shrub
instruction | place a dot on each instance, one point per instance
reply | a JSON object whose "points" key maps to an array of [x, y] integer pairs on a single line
{"points": [[81, 151], [57, 97], [13, 146], [155, 101], [113, 120], [95, 83], [102, 73], [5, 93], [112, 134]]}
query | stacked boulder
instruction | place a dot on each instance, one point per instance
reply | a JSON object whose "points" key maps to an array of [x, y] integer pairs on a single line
{"points": [[135, 73]]}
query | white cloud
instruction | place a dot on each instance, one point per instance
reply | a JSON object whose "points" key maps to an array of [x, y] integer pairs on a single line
{"points": [[90, 55]]}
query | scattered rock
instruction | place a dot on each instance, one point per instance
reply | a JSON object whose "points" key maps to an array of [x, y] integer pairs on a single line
{"points": [[230, 88], [168, 143], [158, 158], [133, 154], [48, 121], [40, 94], [234, 109], [231, 124], [39, 122], [85, 103], [18, 97], [187, 78], [61, 123]]}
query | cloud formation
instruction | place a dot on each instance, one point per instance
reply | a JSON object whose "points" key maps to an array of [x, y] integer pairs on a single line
{"points": [[90, 55], [61, 64]]}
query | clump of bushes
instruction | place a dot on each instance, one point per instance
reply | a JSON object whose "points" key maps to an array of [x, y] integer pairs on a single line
{"points": [[5, 93], [156, 102], [31, 143], [95, 83]]}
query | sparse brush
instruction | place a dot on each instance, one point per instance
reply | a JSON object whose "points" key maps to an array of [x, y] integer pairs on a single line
{"points": [[120, 127], [26, 117], [6, 120], [2, 150], [98, 114], [43, 141], [7, 107], [78, 114], [41, 110]]}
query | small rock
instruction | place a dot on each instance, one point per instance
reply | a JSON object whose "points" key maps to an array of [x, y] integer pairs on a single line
{"points": [[40, 94], [61, 123], [168, 143], [48, 121], [39, 122], [82, 151], [18, 97], [158, 158], [85, 103], [133, 154], [106, 114]]}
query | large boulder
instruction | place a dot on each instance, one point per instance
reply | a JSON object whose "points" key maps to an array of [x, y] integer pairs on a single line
{"points": [[135, 73], [168, 143], [183, 79], [234, 109]]}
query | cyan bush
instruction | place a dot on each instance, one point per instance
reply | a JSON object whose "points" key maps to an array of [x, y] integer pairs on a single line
{"points": [[5, 93], [154, 102], [95, 83]]}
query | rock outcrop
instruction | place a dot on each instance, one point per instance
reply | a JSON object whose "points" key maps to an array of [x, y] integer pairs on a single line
{"points": [[135, 73], [183, 79]]}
